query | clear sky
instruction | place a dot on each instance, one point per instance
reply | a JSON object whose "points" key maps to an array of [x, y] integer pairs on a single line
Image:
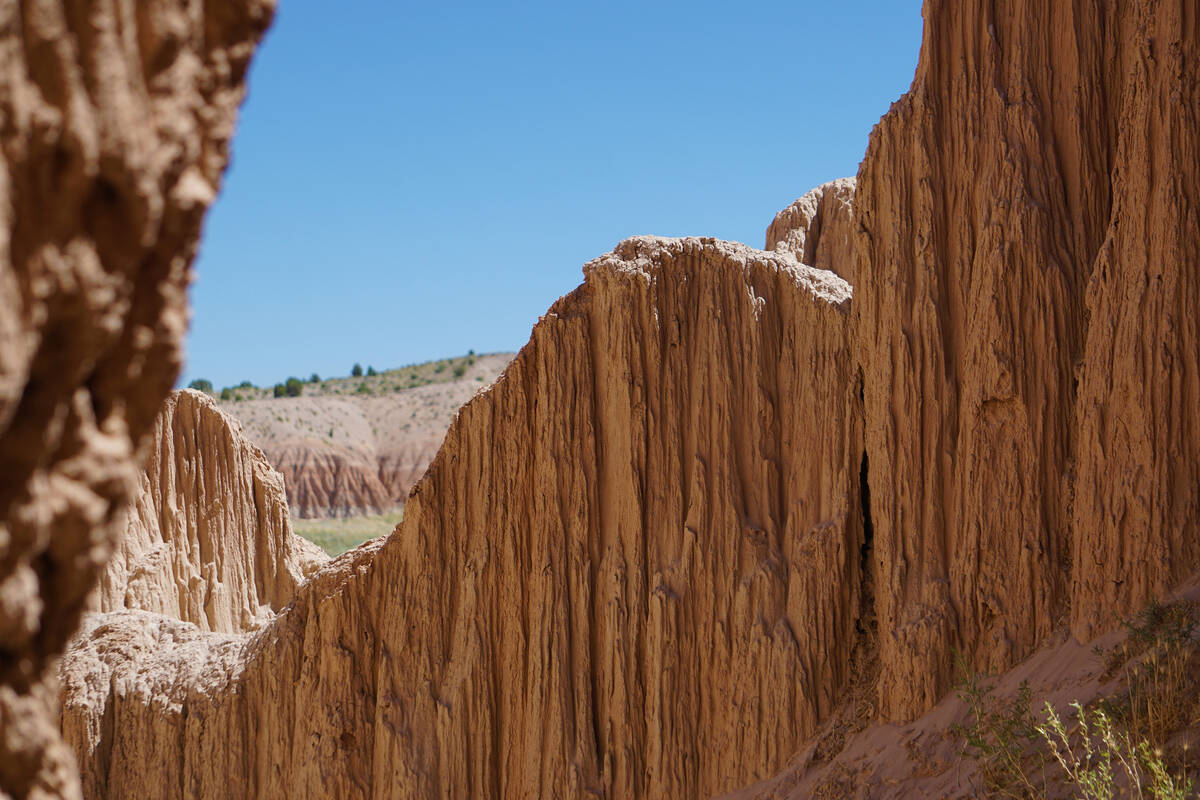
{"points": [[413, 180]]}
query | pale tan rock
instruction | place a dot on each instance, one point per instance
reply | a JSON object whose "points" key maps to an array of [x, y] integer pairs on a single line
{"points": [[116, 124], [818, 229], [209, 539], [633, 568]]}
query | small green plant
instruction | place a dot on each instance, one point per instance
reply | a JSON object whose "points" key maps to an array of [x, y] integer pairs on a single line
{"points": [[356, 371], [293, 387], [1162, 684], [1000, 735], [280, 390], [363, 388], [1123, 745], [201, 385], [441, 367], [314, 378], [460, 370], [371, 373], [245, 385], [1102, 749], [226, 394]]}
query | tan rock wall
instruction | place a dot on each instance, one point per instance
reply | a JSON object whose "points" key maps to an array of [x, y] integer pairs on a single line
{"points": [[1026, 281], [116, 124], [819, 229], [1137, 446], [208, 540], [631, 570], [636, 567]]}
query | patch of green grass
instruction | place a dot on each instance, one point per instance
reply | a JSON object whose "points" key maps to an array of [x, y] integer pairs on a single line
{"points": [[336, 536]]}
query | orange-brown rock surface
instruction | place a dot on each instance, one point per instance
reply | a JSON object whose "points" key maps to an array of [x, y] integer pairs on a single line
{"points": [[325, 480], [616, 577], [1027, 328], [116, 118], [209, 538], [714, 497]]}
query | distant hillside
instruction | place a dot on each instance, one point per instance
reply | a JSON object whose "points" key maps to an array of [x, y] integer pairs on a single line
{"points": [[371, 382], [353, 446]]}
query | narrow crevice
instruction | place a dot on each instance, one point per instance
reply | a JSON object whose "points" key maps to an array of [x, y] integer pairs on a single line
{"points": [[868, 543], [864, 660], [857, 708]]}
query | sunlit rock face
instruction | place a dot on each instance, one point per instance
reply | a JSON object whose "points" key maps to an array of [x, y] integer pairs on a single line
{"points": [[642, 564], [208, 539], [634, 568], [1026, 324]]}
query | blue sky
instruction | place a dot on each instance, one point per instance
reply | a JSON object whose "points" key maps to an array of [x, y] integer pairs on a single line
{"points": [[413, 180]]}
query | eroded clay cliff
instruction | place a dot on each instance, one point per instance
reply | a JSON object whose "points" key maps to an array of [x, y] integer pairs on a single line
{"points": [[612, 540], [1027, 328], [117, 117], [713, 492], [208, 539]]}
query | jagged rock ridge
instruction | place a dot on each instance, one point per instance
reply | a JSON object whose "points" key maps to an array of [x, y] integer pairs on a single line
{"points": [[609, 541], [117, 119], [209, 539]]}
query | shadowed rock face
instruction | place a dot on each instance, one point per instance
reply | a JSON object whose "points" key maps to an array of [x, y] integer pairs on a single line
{"points": [[116, 123], [616, 560], [209, 539]]}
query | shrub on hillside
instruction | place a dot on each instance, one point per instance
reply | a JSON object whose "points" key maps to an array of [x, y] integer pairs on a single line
{"points": [[1131, 737], [201, 385], [280, 390], [293, 387], [226, 394], [314, 378], [371, 373], [356, 371]]}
